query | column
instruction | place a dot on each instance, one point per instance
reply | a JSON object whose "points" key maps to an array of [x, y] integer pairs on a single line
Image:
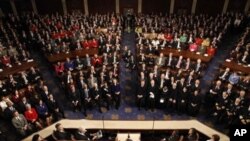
{"points": [[247, 6], [64, 6], [172, 7], [1, 13], [224, 10], [117, 6], [139, 6], [193, 7], [86, 7], [13, 6], [33, 3]]}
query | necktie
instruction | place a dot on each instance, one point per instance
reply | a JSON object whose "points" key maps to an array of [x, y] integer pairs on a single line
{"points": [[169, 61], [178, 64], [197, 67]]}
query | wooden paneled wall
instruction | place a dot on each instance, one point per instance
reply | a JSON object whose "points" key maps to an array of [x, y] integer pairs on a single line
{"points": [[104, 6], [23, 6], [49, 6], [236, 5], [212, 7], [75, 5], [155, 6], [183, 6], [124, 4], [5, 6], [101, 6]]}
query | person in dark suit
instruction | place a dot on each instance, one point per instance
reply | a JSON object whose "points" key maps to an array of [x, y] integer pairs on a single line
{"points": [[78, 63], [81, 134], [213, 93], [9, 110], [225, 74], [96, 96], [172, 104], [197, 67], [152, 93], [21, 124], [170, 61], [60, 133], [141, 92], [54, 108], [194, 103], [142, 59], [182, 100], [106, 93], [160, 61], [219, 107], [116, 92], [86, 99], [75, 98]]}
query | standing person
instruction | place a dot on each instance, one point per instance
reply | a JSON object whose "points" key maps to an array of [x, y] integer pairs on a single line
{"points": [[96, 96], [182, 100], [86, 99], [116, 91], [21, 124], [54, 108], [106, 93], [152, 92], [142, 90], [75, 98], [194, 103]]}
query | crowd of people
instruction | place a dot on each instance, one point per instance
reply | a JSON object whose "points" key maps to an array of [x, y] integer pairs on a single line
{"points": [[196, 33], [91, 81], [167, 82], [26, 102], [229, 93], [241, 52]]}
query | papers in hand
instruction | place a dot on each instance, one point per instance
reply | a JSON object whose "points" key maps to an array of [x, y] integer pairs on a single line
{"points": [[30, 60], [206, 55], [228, 60]]}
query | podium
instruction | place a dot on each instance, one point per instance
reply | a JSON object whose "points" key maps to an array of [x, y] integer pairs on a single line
{"points": [[124, 136]]}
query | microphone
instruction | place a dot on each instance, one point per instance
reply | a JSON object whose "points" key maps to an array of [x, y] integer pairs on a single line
{"points": [[103, 122], [153, 123]]}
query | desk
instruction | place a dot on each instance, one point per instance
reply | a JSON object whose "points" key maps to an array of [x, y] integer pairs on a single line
{"points": [[186, 54], [236, 67], [132, 125], [62, 56], [17, 68], [124, 136]]}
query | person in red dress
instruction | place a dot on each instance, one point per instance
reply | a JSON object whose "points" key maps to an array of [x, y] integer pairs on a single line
{"points": [[32, 116], [96, 60], [6, 61], [59, 68], [94, 43], [211, 51]]}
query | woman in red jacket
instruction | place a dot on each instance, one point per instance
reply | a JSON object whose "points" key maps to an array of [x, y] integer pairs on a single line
{"points": [[32, 116]]}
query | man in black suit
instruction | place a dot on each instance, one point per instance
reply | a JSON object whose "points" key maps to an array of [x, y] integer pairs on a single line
{"points": [[75, 98], [55, 108], [152, 93], [81, 135], [141, 94], [96, 96], [194, 103], [225, 74], [60, 134]]}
